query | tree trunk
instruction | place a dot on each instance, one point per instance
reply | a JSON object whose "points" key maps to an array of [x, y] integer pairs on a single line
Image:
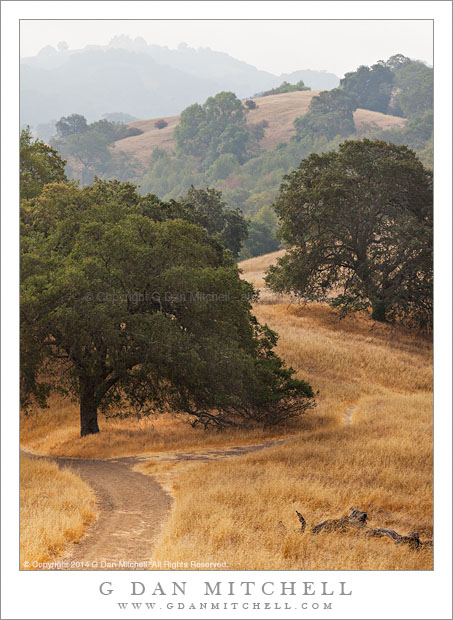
{"points": [[379, 311], [88, 408]]}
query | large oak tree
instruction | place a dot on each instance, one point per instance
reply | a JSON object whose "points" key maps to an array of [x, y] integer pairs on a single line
{"points": [[140, 314], [358, 225]]}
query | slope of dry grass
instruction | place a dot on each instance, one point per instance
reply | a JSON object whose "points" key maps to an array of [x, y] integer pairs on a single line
{"points": [[279, 111], [56, 432], [56, 507], [241, 509], [244, 508]]}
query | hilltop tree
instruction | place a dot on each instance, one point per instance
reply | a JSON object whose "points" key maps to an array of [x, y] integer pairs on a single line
{"points": [[216, 127], [39, 164], [329, 114], [372, 86], [358, 223], [119, 310], [89, 152], [285, 87], [70, 125], [414, 82]]}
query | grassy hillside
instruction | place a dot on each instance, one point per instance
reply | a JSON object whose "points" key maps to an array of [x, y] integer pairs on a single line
{"points": [[368, 444], [279, 111]]}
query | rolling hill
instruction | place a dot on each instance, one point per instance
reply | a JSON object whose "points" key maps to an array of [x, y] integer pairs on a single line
{"points": [[279, 111]]}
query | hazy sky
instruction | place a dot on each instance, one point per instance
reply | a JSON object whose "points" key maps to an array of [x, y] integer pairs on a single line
{"points": [[278, 46]]}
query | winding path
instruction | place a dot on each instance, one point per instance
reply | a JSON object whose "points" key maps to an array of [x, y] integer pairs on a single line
{"points": [[131, 510], [132, 507]]}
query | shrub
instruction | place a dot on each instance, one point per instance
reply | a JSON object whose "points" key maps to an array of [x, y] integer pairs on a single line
{"points": [[133, 131], [250, 104], [160, 124]]}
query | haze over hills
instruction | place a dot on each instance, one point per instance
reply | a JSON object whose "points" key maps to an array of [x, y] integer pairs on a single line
{"points": [[146, 81], [279, 111]]}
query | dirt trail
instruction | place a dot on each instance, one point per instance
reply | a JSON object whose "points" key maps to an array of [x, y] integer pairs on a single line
{"points": [[131, 510], [131, 507]]}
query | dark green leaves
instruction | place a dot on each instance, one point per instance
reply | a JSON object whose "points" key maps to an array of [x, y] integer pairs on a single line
{"points": [[359, 227]]}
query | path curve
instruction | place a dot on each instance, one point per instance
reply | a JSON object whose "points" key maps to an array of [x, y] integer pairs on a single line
{"points": [[131, 510], [132, 507]]}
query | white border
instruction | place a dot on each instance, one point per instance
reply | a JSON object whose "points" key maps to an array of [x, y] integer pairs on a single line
{"points": [[375, 594]]}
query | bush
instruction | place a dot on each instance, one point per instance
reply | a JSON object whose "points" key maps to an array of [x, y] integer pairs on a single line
{"points": [[133, 131], [285, 87], [127, 132], [250, 104], [160, 124]]}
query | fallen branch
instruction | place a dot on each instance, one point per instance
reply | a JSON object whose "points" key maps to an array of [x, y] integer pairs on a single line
{"points": [[357, 520]]}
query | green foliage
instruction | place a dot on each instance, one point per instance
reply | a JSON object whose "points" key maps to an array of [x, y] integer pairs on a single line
{"points": [[359, 225], [89, 152], [417, 134], [248, 187], [39, 164], [261, 239], [250, 104], [225, 165], [371, 86], [160, 123], [253, 183], [398, 86], [285, 87], [206, 208], [412, 97], [120, 310], [414, 88], [330, 114], [71, 125], [216, 127]]}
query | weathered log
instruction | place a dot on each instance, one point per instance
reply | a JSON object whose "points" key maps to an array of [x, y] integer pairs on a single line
{"points": [[411, 539], [380, 532], [357, 520]]}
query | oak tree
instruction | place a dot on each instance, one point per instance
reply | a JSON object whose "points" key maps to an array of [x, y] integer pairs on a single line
{"points": [[358, 226], [123, 311]]}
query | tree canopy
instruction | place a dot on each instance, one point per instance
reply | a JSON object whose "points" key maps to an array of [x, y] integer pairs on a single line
{"points": [[122, 310], [358, 224], [372, 86], [206, 208], [330, 114], [216, 127], [285, 87], [398, 86], [89, 150], [71, 125], [39, 164]]}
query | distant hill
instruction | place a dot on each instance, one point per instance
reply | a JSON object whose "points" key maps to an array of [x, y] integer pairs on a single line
{"points": [[135, 78], [278, 110]]}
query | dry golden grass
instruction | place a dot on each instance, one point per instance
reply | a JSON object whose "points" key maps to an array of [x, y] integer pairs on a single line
{"points": [[229, 508], [279, 111], [56, 507], [56, 432], [381, 462]]}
